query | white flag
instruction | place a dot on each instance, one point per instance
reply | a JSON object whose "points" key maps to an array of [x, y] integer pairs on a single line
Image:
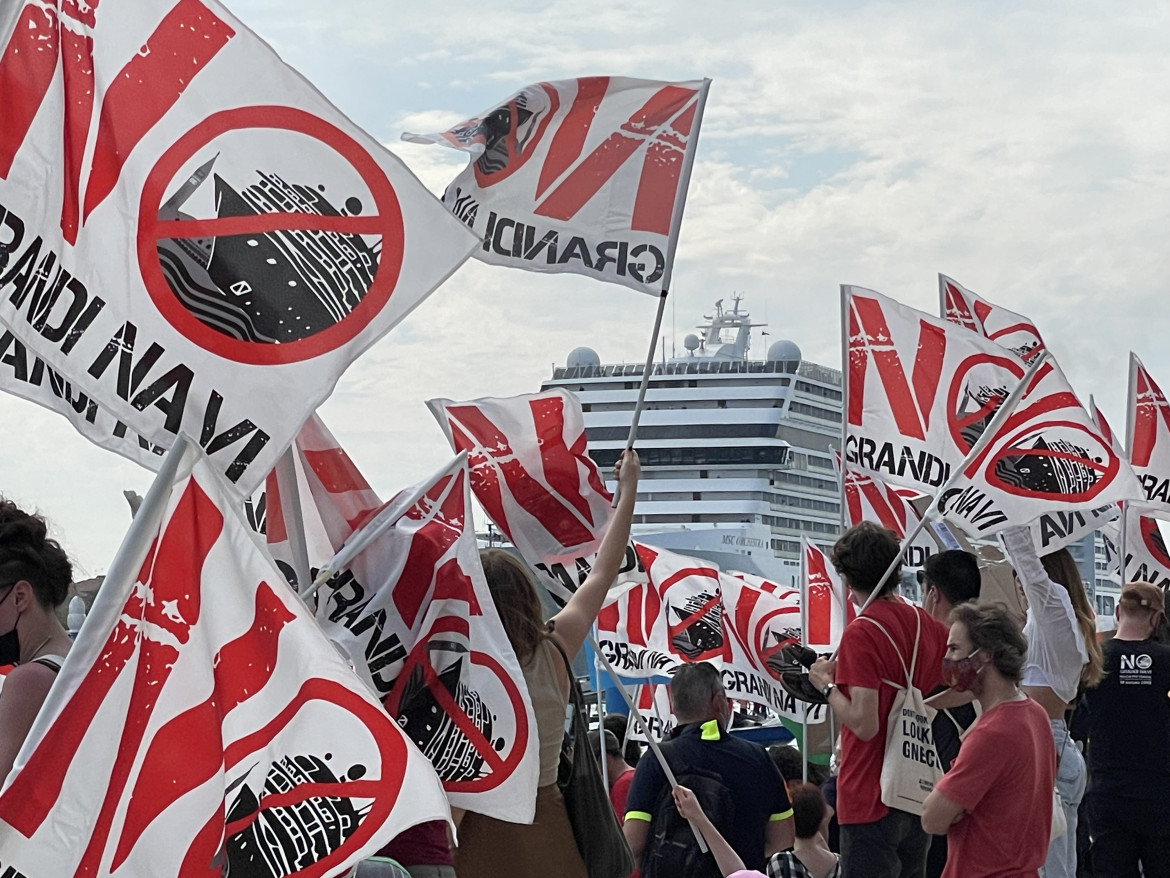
{"points": [[921, 391], [414, 613], [191, 234], [829, 607], [1006, 328], [586, 175], [202, 723]]}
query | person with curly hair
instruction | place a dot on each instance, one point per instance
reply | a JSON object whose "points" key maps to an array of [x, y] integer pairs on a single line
{"points": [[35, 575]]}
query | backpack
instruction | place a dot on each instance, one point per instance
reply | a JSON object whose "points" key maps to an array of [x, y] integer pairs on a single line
{"points": [[671, 850]]}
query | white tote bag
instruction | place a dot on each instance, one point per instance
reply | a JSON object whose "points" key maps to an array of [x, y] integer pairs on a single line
{"points": [[910, 767]]}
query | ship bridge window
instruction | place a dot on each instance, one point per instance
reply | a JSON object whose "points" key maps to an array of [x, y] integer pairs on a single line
{"points": [[714, 456], [697, 431]]}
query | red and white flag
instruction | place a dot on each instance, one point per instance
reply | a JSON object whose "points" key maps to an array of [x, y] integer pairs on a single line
{"points": [[653, 703], [25, 375], [586, 175], [1105, 429], [868, 498], [1149, 437], [413, 611], [676, 616], [761, 619], [1006, 328], [203, 724], [920, 392], [829, 607], [1146, 555], [194, 238], [531, 474]]}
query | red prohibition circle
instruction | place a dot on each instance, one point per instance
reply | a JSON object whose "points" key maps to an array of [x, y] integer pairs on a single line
{"points": [[503, 767], [954, 424], [1108, 469], [383, 791], [1152, 539], [386, 221], [760, 632]]}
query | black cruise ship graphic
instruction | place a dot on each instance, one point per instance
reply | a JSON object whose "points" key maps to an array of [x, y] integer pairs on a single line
{"points": [[272, 287]]}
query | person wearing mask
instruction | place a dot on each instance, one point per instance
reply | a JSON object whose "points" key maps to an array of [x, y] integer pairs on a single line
{"points": [[35, 575], [491, 848], [876, 841], [995, 804], [949, 578], [1129, 743]]}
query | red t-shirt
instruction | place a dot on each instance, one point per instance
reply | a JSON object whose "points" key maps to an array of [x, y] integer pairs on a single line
{"points": [[619, 791], [867, 657], [1003, 779]]}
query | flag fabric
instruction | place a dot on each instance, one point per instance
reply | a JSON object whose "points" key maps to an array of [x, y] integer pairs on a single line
{"points": [[1006, 328], [586, 176], [531, 474], [1149, 438], [26, 376], [653, 703], [414, 615], [202, 724], [868, 498], [1105, 429], [823, 591], [649, 628], [911, 431], [1146, 555], [761, 618], [1053, 529], [194, 238], [413, 612]]}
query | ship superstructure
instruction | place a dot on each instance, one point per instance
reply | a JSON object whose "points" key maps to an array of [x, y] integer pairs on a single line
{"points": [[736, 452]]}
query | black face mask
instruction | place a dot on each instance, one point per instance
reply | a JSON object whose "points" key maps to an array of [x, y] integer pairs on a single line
{"points": [[10, 642]]}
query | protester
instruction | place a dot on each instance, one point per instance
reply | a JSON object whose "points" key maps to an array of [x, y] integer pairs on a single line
{"points": [[949, 578], [1063, 656], [810, 856], [491, 848], [736, 773], [728, 861], [619, 774], [995, 804], [618, 723], [876, 841], [35, 575], [1129, 743], [791, 765]]}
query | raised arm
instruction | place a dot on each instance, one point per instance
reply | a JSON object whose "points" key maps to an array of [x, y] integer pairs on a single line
{"points": [[572, 623]]}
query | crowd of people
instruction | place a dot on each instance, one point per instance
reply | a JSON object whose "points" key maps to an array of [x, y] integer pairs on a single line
{"points": [[1015, 783]]}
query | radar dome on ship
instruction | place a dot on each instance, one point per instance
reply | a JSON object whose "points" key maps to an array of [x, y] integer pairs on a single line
{"points": [[583, 357], [691, 342], [785, 351]]}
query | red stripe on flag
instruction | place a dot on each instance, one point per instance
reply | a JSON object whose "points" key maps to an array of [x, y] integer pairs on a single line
{"points": [[188, 750], [148, 86], [430, 543], [26, 71], [569, 141], [661, 172]]}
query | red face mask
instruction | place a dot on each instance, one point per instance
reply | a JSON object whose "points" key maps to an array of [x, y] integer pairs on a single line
{"points": [[961, 674]]}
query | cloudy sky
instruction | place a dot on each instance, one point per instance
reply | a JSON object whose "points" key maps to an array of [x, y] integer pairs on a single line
{"points": [[1022, 148]]}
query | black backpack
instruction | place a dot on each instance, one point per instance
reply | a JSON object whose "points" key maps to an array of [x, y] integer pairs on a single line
{"points": [[671, 850]]}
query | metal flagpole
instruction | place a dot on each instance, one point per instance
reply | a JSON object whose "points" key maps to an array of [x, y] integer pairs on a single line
{"points": [[294, 518], [985, 437], [655, 749], [600, 711], [804, 638], [1131, 408]]}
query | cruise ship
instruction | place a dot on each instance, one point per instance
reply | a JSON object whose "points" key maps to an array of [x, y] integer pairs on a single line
{"points": [[737, 453]]}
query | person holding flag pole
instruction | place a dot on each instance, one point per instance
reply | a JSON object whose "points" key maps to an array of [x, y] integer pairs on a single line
{"points": [[877, 840]]}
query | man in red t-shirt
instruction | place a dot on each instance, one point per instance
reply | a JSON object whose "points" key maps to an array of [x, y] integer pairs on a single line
{"points": [[995, 804], [619, 773], [876, 841]]}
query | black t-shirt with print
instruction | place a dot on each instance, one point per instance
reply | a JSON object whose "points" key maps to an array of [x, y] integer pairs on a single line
{"points": [[1129, 721]]}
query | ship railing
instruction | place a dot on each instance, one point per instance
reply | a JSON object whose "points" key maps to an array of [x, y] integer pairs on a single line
{"points": [[700, 367]]}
